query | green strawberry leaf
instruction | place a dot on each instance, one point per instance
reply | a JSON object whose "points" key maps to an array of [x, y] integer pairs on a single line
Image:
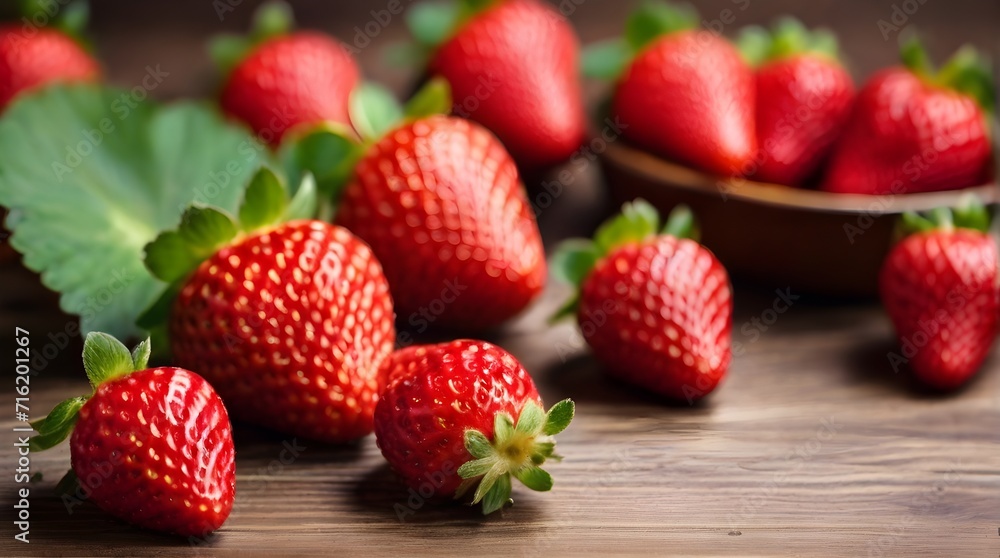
{"points": [[787, 37], [264, 202], [573, 260], [304, 204], [681, 224], [534, 478], [606, 59], [497, 496], [637, 221], [140, 355], [754, 43], [270, 20], [969, 72], [374, 110], [531, 420], [559, 417], [174, 254], [105, 358], [653, 19], [431, 23], [90, 180], [328, 152], [433, 98], [57, 426]]}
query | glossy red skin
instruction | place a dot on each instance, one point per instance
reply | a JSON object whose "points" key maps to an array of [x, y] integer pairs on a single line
{"points": [[658, 314], [514, 68], [148, 444], [803, 102], [46, 56], [907, 136], [690, 96], [941, 291], [440, 203], [435, 394], [291, 326], [297, 79]]}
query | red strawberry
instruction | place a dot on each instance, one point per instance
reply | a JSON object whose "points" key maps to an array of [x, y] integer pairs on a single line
{"points": [[284, 81], [44, 56], [152, 447], [686, 95], [804, 96], [290, 322], [940, 287], [465, 414], [440, 203], [912, 131], [656, 308], [513, 66]]}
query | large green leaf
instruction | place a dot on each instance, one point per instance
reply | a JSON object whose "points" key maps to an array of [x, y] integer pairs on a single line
{"points": [[84, 200]]}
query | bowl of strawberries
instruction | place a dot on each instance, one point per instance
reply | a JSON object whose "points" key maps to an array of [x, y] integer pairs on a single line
{"points": [[797, 176]]}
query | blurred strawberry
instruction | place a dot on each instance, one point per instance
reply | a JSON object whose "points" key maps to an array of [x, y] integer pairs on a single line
{"points": [[31, 57], [513, 67], [914, 130], [940, 286], [276, 80], [654, 305], [683, 94], [804, 96]]}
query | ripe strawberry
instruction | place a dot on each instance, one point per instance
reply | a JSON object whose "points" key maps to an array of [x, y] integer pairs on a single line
{"points": [[686, 95], [939, 286], [440, 203], [152, 447], [804, 96], [513, 66], [465, 414], [290, 322], [914, 131], [279, 81], [28, 61], [656, 308]]}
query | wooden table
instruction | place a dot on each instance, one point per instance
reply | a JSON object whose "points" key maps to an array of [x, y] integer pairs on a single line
{"points": [[812, 445]]}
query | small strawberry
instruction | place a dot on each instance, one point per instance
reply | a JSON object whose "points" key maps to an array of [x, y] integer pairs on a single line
{"points": [[804, 97], [939, 286], [150, 446], [513, 66], [279, 80], [655, 307], [683, 94], [439, 201], [290, 321], [465, 414], [916, 131], [32, 57]]}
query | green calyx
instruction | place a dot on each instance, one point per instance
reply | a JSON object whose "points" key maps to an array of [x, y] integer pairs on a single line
{"points": [[374, 111], [104, 359], [272, 19], [71, 19], [968, 71], [516, 450], [433, 23], [969, 214], [787, 37], [650, 21], [174, 255], [574, 259]]}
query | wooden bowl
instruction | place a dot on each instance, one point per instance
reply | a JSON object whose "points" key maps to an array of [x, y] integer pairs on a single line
{"points": [[807, 240]]}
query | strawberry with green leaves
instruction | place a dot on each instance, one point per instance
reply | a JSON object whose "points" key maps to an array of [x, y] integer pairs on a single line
{"points": [[441, 204], [916, 130], [32, 57], [939, 285], [277, 80], [513, 66], [804, 96], [465, 415], [150, 446], [289, 318], [680, 93], [654, 305]]}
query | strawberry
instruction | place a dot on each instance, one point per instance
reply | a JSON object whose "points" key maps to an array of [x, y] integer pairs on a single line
{"points": [[686, 95], [804, 96], [42, 56], [277, 81], [656, 308], [150, 446], [290, 321], [513, 66], [939, 285], [439, 201], [915, 131], [463, 415]]}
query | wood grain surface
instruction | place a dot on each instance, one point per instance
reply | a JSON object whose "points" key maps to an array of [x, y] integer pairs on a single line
{"points": [[812, 446]]}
